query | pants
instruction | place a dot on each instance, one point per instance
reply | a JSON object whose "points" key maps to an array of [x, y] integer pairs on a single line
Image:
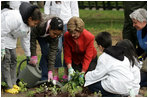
{"points": [[58, 61], [91, 67], [143, 71], [143, 82], [8, 68], [96, 87], [44, 45]]}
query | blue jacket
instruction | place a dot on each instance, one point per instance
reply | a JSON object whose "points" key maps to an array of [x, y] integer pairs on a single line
{"points": [[142, 38]]}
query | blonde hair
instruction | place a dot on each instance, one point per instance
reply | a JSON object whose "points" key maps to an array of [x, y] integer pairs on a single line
{"points": [[75, 24], [139, 14]]}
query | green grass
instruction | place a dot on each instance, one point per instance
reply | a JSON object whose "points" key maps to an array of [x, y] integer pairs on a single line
{"points": [[97, 21]]}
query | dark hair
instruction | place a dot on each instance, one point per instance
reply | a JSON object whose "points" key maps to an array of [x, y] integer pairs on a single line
{"points": [[56, 24], [28, 10], [129, 50], [36, 15], [104, 39]]}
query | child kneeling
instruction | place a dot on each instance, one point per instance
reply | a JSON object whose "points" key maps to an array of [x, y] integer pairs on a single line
{"points": [[117, 73]]}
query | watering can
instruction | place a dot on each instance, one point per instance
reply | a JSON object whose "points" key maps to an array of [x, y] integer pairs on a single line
{"points": [[32, 75]]}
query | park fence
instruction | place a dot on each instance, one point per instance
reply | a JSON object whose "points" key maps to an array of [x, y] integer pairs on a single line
{"points": [[105, 5]]}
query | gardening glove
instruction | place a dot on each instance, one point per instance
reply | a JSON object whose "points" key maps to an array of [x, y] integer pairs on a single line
{"points": [[28, 59], [33, 60], [81, 79], [2, 54], [70, 72], [50, 76]]}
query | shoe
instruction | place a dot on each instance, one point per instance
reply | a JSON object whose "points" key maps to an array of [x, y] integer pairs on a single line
{"points": [[56, 78], [16, 87], [12, 91]]}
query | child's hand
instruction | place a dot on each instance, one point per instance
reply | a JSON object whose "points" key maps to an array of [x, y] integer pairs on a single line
{"points": [[33, 60]]}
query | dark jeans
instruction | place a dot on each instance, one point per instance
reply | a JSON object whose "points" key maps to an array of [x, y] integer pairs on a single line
{"points": [[91, 67], [58, 61], [44, 45], [143, 82], [96, 87]]}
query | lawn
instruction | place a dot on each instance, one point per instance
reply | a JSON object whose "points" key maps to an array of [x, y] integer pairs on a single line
{"points": [[108, 20]]}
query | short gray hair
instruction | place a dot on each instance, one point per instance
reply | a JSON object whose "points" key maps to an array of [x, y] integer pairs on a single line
{"points": [[139, 14]]}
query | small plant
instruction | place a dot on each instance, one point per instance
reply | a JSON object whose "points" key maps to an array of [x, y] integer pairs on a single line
{"points": [[97, 94], [4, 85], [74, 86], [31, 93], [40, 89], [22, 86], [54, 90]]}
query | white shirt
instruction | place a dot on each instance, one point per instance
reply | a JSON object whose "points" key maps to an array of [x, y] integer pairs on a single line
{"points": [[116, 76], [12, 27], [15, 4], [64, 10], [137, 78]]}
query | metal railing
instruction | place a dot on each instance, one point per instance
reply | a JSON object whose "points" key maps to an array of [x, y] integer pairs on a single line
{"points": [[105, 5]]}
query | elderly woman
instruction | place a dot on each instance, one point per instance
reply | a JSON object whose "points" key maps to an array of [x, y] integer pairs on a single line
{"points": [[79, 51], [139, 18]]}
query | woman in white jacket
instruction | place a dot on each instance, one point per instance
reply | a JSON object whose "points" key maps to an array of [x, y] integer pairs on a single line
{"points": [[114, 75], [14, 24], [64, 10]]}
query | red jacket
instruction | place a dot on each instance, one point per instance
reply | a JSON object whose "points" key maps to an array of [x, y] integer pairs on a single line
{"points": [[79, 50]]}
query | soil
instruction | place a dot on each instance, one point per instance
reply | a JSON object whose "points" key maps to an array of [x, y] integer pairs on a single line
{"points": [[85, 93]]}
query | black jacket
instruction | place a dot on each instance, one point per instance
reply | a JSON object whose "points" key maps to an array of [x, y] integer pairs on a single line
{"points": [[116, 52]]}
